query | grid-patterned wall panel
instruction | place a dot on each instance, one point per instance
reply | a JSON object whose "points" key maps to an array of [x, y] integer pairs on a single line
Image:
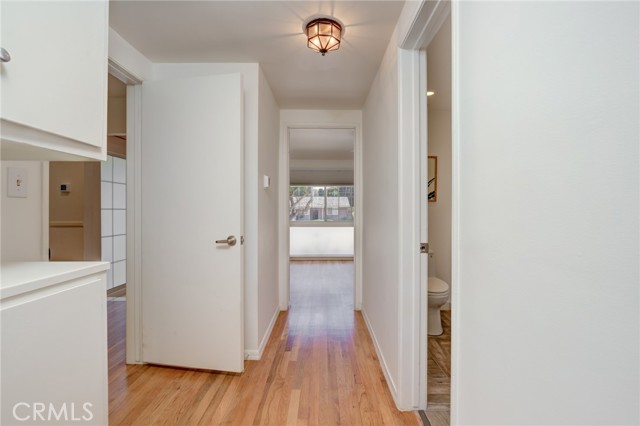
{"points": [[114, 226]]}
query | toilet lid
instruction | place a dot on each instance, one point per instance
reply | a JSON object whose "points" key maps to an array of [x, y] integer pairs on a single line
{"points": [[436, 285]]}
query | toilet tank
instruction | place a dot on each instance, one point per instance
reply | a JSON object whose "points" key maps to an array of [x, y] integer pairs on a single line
{"points": [[432, 265]]}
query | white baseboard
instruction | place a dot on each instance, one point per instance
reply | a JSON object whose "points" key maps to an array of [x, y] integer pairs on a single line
{"points": [[255, 355], [323, 257], [383, 363]]}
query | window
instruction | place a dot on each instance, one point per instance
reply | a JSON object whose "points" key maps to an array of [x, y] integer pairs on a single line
{"points": [[321, 203]]}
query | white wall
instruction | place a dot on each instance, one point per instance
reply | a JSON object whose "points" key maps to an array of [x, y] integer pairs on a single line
{"points": [[321, 241], [254, 167], [22, 218], [381, 214], [268, 161], [548, 190]]}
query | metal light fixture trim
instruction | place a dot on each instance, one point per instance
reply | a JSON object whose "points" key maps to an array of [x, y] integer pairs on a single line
{"points": [[324, 35]]}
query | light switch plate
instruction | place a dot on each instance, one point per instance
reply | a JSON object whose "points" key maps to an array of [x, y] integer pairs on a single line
{"points": [[266, 181], [18, 182]]}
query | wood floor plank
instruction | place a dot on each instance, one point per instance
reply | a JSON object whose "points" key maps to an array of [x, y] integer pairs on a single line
{"points": [[438, 418], [439, 374], [292, 410], [318, 368]]}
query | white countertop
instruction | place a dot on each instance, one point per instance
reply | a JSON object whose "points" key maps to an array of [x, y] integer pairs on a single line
{"points": [[21, 277]]}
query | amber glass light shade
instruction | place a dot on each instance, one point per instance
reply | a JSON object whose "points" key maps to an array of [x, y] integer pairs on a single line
{"points": [[323, 35]]}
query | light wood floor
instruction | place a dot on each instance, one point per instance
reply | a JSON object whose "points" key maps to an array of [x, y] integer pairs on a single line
{"points": [[439, 375], [319, 368], [119, 291]]}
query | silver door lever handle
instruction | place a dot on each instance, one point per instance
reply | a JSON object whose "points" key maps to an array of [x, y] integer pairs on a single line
{"points": [[230, 241], [4, 55]]}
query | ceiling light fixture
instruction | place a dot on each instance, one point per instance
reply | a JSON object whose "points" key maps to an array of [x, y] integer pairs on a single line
{"points": [[430, 93], [323, 35]]}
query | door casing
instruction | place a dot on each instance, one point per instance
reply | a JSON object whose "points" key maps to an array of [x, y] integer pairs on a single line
{"points": [[284, 204]]}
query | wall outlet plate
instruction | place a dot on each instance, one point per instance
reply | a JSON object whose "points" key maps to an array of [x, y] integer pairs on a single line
{"points": [[18, 182]]}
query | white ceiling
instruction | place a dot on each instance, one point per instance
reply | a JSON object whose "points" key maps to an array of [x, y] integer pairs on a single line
{"points": [[321, 144], [270, 33]]}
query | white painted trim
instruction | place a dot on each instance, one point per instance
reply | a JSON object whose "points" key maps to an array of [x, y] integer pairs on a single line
{"points": [[409, 206], [383, 363], [358, 184], [420, 26], [424, 229], [45, 211], [283, 220], [134, 226], [255, 355], [426, 23], [131, 67], [284, 205], [455, 211], [119, 72]]}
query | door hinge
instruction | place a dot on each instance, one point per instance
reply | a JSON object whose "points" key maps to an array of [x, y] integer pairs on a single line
{"points": [[424, 248]]}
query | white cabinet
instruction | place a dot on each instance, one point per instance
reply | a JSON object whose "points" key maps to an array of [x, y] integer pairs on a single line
{"points": [[54, 88], [54, 343]]}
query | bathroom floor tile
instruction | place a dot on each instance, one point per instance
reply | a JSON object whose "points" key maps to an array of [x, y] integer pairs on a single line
{"points": [[439, 372]]}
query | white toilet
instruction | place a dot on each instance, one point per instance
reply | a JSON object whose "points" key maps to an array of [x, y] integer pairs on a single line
{"points": [[438, 296]]}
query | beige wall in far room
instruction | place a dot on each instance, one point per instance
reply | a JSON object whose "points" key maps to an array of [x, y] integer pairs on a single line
{"points": [[74, 216], [117, 115], [440, 210], [66, 211]]}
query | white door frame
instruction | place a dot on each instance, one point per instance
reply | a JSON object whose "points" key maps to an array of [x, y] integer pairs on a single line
{"points": [[284, 208], [133, 338], [412, 125]]}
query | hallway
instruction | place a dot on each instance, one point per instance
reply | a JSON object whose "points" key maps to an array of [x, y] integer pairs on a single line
{"points": [[319, 368]]}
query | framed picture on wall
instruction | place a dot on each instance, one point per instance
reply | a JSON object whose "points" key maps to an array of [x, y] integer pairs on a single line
{"points": [[432, 179]]}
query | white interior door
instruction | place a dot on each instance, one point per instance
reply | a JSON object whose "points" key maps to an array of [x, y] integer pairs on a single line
{"points": [[192, 192]]}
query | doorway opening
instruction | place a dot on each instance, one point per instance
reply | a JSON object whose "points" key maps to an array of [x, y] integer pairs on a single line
{"points": [[438, 212], [113, 181], [321, 215], [87, 201], [74, 211], [113, 213], [321, 194]]}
